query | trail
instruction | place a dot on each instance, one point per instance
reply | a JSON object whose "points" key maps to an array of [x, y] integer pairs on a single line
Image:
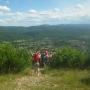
{"points": [[27, 82]]}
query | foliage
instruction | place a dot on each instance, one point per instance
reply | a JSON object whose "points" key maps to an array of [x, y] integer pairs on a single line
{"points": [[69, 57], [87, 62], [13, 59]]}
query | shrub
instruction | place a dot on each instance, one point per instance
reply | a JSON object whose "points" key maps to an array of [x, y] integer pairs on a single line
{"points": [[87, 62], [13, 59], [68, 57]]}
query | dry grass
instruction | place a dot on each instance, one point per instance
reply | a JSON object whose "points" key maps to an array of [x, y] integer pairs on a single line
{"points": [[52, 80]]}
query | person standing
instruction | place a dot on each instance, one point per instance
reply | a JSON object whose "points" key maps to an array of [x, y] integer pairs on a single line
{"points": [[46, 57], [36, 62]]}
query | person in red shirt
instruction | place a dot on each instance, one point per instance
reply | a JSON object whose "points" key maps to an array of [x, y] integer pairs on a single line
{"points": [[36, 62]]}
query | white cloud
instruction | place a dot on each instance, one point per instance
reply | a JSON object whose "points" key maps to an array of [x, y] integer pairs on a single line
{"points": [[32, 11], [77, 14], [4, 9], [1, 21]]}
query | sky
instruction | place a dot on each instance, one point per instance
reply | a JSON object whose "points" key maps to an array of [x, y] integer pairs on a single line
{"points": [[38, 12]]}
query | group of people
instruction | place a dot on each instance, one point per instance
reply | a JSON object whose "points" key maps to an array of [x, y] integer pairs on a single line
{"points": [[40, 59]]}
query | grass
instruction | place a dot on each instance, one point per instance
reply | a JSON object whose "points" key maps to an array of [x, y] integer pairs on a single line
{"points": [[62, 79]]}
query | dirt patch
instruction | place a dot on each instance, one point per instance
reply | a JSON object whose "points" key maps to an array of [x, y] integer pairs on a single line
{"points": [[33, 81]]}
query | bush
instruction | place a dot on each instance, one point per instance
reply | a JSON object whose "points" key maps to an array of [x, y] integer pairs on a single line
{"points": [[68, 57], [13, 59], [87, 63]]}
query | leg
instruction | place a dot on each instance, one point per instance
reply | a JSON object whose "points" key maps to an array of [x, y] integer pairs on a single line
{"points": [[38, 71]]}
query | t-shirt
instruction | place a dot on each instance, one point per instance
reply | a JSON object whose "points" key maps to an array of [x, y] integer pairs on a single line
{"points": [[36, 57], [47, 54]]}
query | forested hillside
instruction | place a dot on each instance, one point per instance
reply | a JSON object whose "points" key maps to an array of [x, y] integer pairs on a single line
{"points": [[63, 32], [50, 36]]}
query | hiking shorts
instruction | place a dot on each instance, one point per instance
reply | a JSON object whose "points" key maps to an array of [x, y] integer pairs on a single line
{"points": [[37, 64]]}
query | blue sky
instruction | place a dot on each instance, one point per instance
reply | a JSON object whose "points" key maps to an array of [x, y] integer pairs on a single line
{"points": [[23, 5], [36, 12]]}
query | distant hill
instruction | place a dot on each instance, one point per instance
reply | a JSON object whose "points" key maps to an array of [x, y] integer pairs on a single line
{"points": [[53, 32]]}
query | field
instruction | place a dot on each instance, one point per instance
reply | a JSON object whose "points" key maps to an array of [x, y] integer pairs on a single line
{"points": [[62, 79]]}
